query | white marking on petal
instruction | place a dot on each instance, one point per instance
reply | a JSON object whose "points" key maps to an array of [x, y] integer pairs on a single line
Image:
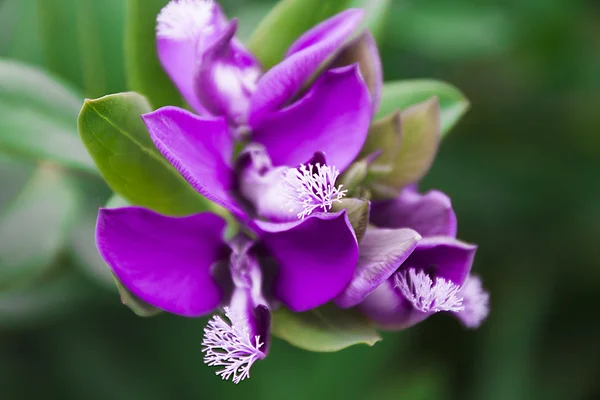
{"points": [[427, 296], [306, 190], [185, 19], [476, 302], [230, 346]]}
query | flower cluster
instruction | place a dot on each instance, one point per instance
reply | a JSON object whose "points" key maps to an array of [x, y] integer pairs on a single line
{"points": [[282, 150]]}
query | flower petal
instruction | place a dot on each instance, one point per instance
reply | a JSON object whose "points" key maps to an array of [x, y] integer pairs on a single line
{"points": [[165, 261], [333, 117], [363, 51], [389, 309], [430, 214], [247, 301], [227, 77], [184, 29], [200, 149], [443, 257], [382, 251], [476, 302], [316, 257], [285, 79]]}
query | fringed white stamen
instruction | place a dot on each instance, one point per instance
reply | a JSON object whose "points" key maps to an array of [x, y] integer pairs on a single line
{"points": [[476, 302], [426, 296], [231, 347], [185, 19], [308, 191]]}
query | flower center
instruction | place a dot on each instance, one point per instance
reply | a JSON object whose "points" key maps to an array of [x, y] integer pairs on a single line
{"points": [[185, 19], [310, 187], [231, 347], [427, 296]]}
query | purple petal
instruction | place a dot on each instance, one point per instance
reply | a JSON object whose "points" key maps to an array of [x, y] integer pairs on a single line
{"points": [[316, 257], [364, 52], [443, 257], [304, 57], [389, 309], [475, 301], [165, 261], [184, 29], [430, 214], [199, 148], [382, 251], [247, 301], [261, 184], [333, 117], [227, 77]]}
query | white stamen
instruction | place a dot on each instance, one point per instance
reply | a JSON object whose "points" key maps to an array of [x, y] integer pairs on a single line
{"points": [[476, 301], [231, 347], [419, 289], [185, 19], [308, 191]]}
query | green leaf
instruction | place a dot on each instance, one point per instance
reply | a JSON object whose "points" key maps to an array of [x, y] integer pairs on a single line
{"points": [[35, 226], [419, 144], [79, 39], [324, 329], [403, 94], [38, 117], [117, 139], [144, 72], [285, 23], [291, 18], [376, 12]]}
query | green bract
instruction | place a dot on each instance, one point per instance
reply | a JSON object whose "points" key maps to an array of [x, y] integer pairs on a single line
{"points": [[324, 329]]}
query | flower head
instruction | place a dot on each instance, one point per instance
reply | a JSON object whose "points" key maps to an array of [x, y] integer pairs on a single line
{"points": [[427, 296], [186, 19], [230, 346], [310, 187]]}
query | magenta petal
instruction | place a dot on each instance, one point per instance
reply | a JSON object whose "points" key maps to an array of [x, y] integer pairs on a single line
{"points": [[227, 77], [285, 79], [382, 251], [247, 302], [316, 257], [178, 58], [333, 117], [184, 30], [389, 309], [199, 148], [443, 257], [165, 261], [430, 214]]}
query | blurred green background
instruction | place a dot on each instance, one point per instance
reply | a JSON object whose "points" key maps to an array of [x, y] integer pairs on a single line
{"points": [[522, 169]]}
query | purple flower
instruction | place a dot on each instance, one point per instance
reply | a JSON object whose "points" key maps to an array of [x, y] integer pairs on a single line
{"points": [[182, 265], [411, 266], [218, 76]]}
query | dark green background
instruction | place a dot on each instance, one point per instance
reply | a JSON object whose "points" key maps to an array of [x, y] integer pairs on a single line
{"points": [[522, 169]]}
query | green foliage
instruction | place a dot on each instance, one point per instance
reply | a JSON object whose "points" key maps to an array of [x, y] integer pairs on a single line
{"points": [[32, 104], [114, 134], [291, 18], [144, 72], [403, 94], [35, 226], [326, 328]]}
